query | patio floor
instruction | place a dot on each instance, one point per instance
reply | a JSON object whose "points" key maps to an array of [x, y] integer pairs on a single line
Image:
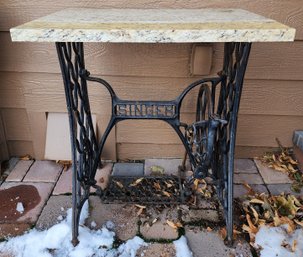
{"points": [[42, 189]]}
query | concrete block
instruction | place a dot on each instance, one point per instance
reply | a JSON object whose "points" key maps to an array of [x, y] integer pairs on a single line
{"points": [[245, 166], [123, 217], [206, 244], [54, 211], [43, 171], [154, 223], [164, 166], [271, 176], [128, 169], [33, 197], [19, 171]]}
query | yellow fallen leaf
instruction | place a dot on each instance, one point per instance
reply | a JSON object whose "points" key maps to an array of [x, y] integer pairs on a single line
{"points": [[294, 246], [223, 233], [173, 225], [119, 184], [157, 186], [166, 193], [208, 229], [255, 200], [138, 181]]}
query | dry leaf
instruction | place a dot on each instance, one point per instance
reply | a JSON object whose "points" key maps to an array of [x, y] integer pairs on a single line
{"points": [[174, 225], [223, 233], [208, 229], [119, 184], [255, 200], [294, 246], [26, 158], [166, 193], [157, 186], [138, 181]]}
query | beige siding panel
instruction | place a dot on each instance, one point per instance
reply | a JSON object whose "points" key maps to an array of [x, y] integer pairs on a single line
{"points": [[11, 93], [44, 93], [142, 151], [16, 124], [110, 59], [37, 123], [3, 147], [253, 130], [20, 148], [109, 150], [279, 61], [15, 12]]}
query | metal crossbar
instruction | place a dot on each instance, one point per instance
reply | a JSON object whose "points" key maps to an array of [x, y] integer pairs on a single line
{"points": [[209, 141]]}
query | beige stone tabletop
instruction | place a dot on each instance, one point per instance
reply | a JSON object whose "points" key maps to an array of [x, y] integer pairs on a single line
{"points": [[152, 26]]}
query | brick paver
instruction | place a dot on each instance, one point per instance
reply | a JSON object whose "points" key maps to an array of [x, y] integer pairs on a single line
{"points": [[44, 190], [64, 184], [168, 166], [245, 166], [271, 176], [43, 171], [19, 171], [277, 189], [241, 178], [240, 190]]}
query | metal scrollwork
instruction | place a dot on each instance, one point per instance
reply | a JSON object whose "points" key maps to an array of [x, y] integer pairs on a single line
{"points": [[209, 141]]}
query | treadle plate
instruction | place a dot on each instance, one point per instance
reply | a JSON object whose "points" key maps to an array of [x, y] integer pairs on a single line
{"points": [[147, 190]]}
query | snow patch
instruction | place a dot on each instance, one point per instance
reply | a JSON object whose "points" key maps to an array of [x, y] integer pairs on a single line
{"points": [[271, 239], [182, 249], [56, 242], [20, 207]]}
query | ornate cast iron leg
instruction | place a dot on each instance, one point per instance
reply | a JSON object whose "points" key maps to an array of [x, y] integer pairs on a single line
{"points": [[82, 134], [234, 67]]}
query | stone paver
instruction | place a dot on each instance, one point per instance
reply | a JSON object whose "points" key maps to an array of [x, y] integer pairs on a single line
{"points": [[54, 211], [64, 184], [196, 215], [43, 192], [154, 224], [240, 190], [157, 250], [206, 244], [124, 217], [128, 169], [19, 171], [43, 171], [162, 166], [271, 176], [245, 166], [241, 178], [277, 189]]}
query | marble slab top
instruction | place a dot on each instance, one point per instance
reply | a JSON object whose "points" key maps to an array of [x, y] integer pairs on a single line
{"points": [[153, 26]]}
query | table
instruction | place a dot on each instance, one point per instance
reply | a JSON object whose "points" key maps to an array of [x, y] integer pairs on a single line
{"points": [[210, 140]]}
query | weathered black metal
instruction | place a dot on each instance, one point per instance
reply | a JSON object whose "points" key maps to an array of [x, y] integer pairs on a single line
{"points": [[147, 190], [209, 141]]}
